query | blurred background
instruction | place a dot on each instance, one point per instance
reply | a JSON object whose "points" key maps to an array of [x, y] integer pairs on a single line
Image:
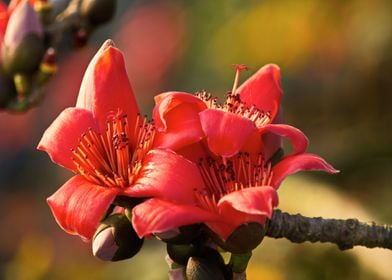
{"points": [[336, 65]]}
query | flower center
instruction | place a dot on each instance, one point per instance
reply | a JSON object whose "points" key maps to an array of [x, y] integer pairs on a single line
{"points": [[222, 177], [233, 103], [114, 158]]}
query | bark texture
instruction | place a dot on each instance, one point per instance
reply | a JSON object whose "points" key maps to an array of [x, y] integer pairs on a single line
{"points": [[344, 233]]}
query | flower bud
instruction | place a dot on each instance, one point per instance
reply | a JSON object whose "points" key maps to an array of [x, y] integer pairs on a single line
{"points": [[98, 11], [203, 269], [181, 235], [180, 253], [115, 239], [23, 45], [243, 239]]}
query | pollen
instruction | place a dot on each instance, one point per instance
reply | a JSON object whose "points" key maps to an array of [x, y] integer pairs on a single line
{"points": [[114, 158], [224, 176]]}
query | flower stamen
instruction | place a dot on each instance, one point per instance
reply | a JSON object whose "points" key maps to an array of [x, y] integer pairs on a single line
{"points": [[224, 176], [114, 158]]}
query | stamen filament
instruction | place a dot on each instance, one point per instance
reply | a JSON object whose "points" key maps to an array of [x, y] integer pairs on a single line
{"points": [[109, 159], [223, 176]]}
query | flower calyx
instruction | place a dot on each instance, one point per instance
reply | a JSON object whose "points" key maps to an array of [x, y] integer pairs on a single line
{"points": [[115, 239], [243, 239]]}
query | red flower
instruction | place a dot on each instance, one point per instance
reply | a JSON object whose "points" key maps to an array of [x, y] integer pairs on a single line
{"points": [[241, 186], [104, 140], [245, 122], [235, 191]]}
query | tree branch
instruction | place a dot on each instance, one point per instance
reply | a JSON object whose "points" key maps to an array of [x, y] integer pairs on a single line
{"points": [[344, 233]]}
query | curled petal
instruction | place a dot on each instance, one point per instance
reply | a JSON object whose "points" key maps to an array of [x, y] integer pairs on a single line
{"points": [[302, 162], [272, 142], [167, 174], [105, 88], [78, 206], [167, 101], [294, 135], [226, 132], [64, 134], [255, 201], [176, 117], [263, 89], [157, 215]]}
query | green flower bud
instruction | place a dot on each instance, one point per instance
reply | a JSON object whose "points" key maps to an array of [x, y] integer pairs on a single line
{"points": [[23, 45], [98, 11], [115, 239]]}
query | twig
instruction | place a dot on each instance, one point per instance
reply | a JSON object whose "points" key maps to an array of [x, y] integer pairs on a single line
{"points": [[344, 233]]}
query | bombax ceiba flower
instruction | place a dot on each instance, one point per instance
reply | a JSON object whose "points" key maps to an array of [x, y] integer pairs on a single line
{"points": [[235, 191], [232, 145], [106, 142], [247, 121]]}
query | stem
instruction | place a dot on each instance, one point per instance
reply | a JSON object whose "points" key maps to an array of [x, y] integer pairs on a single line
{"points": [[344, 233]]}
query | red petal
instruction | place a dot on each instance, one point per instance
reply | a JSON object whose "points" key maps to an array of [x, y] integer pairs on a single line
{"points": [[226, 132], [244, 206], [176, 117], [272, 142], [167, 174], [78, 206], [253, 144], [105, 88], [263, 89], [156, 215], [255, 201], [293, 164], [64, 133], [3, 20], [294, 135]]}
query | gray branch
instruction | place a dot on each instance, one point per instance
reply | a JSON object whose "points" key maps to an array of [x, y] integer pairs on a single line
{"points": [[344, 233]]}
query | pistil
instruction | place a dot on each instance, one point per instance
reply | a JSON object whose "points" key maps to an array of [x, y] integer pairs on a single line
{"points": [[239, 69]]}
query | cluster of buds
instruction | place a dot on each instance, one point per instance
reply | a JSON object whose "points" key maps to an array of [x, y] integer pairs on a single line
{"points": [[30, 33]]}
